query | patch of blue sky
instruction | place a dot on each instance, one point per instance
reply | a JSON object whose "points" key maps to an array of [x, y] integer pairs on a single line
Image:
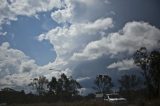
{"points": [[21, 34]]}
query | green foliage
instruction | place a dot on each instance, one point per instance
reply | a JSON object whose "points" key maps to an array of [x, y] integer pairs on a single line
{"points": [[40, 84], [129, 82], [64, 87], [103, 84], [149, 62], [61, 89], [129, 86], [52, 85]]}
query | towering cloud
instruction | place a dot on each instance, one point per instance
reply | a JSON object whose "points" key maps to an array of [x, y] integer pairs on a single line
{"points": [[133, 36], [68, 40]]}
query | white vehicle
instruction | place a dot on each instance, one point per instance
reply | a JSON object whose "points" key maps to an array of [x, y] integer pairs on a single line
{"points": [[114, 98]]}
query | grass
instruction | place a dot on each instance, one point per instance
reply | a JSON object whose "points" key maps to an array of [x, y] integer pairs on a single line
{"points": [[82, 103], [155, 102]]}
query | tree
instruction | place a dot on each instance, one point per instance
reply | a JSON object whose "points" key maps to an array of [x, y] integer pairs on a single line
{"points": [[128, 82], [52, 85], [149, 62], [64, 86], [155, 71], [40, 84], [103, 84]]}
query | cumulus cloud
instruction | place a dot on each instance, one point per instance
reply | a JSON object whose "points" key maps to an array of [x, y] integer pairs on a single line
{"points": [[62, 16], [78, 39], [133, 36], [79, 26], [68, 40], [123, 65], [16, 80], [81, 11], [10, 9], [17, 69], [15, 66], [85, 26]]}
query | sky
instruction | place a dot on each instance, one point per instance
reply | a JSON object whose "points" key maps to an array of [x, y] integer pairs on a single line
{"points": [[81, 38]]}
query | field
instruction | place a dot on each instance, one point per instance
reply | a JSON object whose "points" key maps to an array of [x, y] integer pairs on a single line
{"points": [[91, 103], [86, 103]]}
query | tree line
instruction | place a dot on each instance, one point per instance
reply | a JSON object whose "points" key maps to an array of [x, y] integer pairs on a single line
{"points": [[57, 89], [63, 88], [149, 64], [67, 89]]}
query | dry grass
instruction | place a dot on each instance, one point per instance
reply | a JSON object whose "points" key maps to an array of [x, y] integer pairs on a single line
{"points": [[87, 103], [91, 103]]}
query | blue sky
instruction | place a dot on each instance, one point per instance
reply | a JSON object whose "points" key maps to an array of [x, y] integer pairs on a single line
{"points": [[76, 37], [22, 35]]}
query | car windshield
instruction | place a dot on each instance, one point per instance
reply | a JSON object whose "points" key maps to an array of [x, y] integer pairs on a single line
{"points": [[114, 96]]}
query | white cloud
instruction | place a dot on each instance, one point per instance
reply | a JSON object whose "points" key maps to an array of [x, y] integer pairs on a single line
{"points": [[30, 7], [3, 33], [10, 9], [17, 69], [81, 11], [15, 66], [81, 40], [68, 40], [62, 16], [16, 80], [122, 65], [83, 79], [85, 91], [133, 36]]}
